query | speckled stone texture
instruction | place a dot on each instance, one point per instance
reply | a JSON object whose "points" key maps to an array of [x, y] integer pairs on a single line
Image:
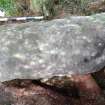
{"points": [[34, 50]]}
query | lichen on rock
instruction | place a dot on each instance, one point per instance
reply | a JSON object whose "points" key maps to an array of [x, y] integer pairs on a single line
{"points": [[34, 50]]}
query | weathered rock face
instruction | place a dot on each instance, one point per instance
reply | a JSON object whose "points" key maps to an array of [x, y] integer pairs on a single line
{"points": [[30, 95], [34, 50], [25, 92]]}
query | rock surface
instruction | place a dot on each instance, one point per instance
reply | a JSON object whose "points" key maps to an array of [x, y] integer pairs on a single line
{"points": [[34, 50], [30, 95], [25, 92]]}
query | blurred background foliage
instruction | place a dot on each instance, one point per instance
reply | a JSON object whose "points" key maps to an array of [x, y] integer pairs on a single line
{"points": [[51, 8], [8, 6], [14, 7]]}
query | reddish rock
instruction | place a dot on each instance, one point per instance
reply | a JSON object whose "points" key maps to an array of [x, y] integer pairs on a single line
{"points": [[27, 92], [29, 95]]}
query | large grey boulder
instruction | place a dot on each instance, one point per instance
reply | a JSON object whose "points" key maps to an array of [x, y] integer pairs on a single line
{"points": [[34, 50]]}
